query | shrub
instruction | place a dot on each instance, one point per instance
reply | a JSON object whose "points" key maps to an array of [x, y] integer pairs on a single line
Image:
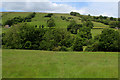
{"points": [[56, 48], [74, 13], [113, 24], [50, 23], [63, 48], [27, 45], [48, 15]]}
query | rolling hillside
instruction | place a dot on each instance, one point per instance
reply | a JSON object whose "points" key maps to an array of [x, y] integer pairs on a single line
{"points": [[39, 19]]}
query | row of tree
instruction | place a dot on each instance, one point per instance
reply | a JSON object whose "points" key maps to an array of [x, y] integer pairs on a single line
{"points": [[20, 19], [108, 40], [24, 36], [112, 22]]}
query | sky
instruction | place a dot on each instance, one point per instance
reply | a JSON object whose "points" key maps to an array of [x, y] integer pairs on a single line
{"points": [[94, 8]]}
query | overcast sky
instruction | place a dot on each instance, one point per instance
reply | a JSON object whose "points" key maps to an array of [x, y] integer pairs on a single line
{"points": [[94, 8]]}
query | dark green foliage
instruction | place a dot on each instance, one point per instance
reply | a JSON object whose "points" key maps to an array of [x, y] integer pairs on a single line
{"points": [[54, 38], [13, 21], [49, 15], [85, 32], [88, 24], [19, 19], [23, 36], [118, 24], [27, 45], [74, 13], [89, 15], [103, 19], [107, 41], [73, 27], [75, 37], [50, 23], [63, 17], [85, 18], [93, 47], [106, 22], [113, 24], [70, 17], [111, 18], [63, 48], [78, 44]]}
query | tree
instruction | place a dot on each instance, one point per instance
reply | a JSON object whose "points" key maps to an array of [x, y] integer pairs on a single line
{"points": [[73, 27], [111, 18], [85, 32], [56, 38], [49, 15], [113, 24], [50, 23], [78, 44], [88, 24], [23, 36], [109, 39], [19, 19], [74, 13]]}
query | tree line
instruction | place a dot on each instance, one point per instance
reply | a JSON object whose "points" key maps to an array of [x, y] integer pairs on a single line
{"points": [[74, 38], [112, 22], [20, 19]]}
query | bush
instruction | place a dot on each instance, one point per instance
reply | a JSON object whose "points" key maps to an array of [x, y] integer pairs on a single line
{"points": [[74, 13], [63, 48], [27, 45], [93, 47], [85, 32], [63, 17], [50, 23], [113, 24], [48, 15], [56, 48], [88, 24], [73, 27], [109, 40], [19, 19]]}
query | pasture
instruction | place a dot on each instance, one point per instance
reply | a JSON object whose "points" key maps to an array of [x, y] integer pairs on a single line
{"points": [[50, 64]]}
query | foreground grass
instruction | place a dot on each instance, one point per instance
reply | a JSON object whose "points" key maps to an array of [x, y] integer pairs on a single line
{"points": [[49, 64], [0, 63]]}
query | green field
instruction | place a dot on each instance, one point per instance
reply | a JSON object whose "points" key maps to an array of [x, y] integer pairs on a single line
{"points": [[49, 64], [0, 63], [97, 24], [96, 32]]}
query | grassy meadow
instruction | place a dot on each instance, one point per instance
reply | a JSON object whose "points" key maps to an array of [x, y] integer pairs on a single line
{"points": [[50, 64]]}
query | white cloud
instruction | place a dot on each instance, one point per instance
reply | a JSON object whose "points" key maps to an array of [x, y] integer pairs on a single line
{"points": [[38, 6], [60, 0], [94, 8], [101, 8]]}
